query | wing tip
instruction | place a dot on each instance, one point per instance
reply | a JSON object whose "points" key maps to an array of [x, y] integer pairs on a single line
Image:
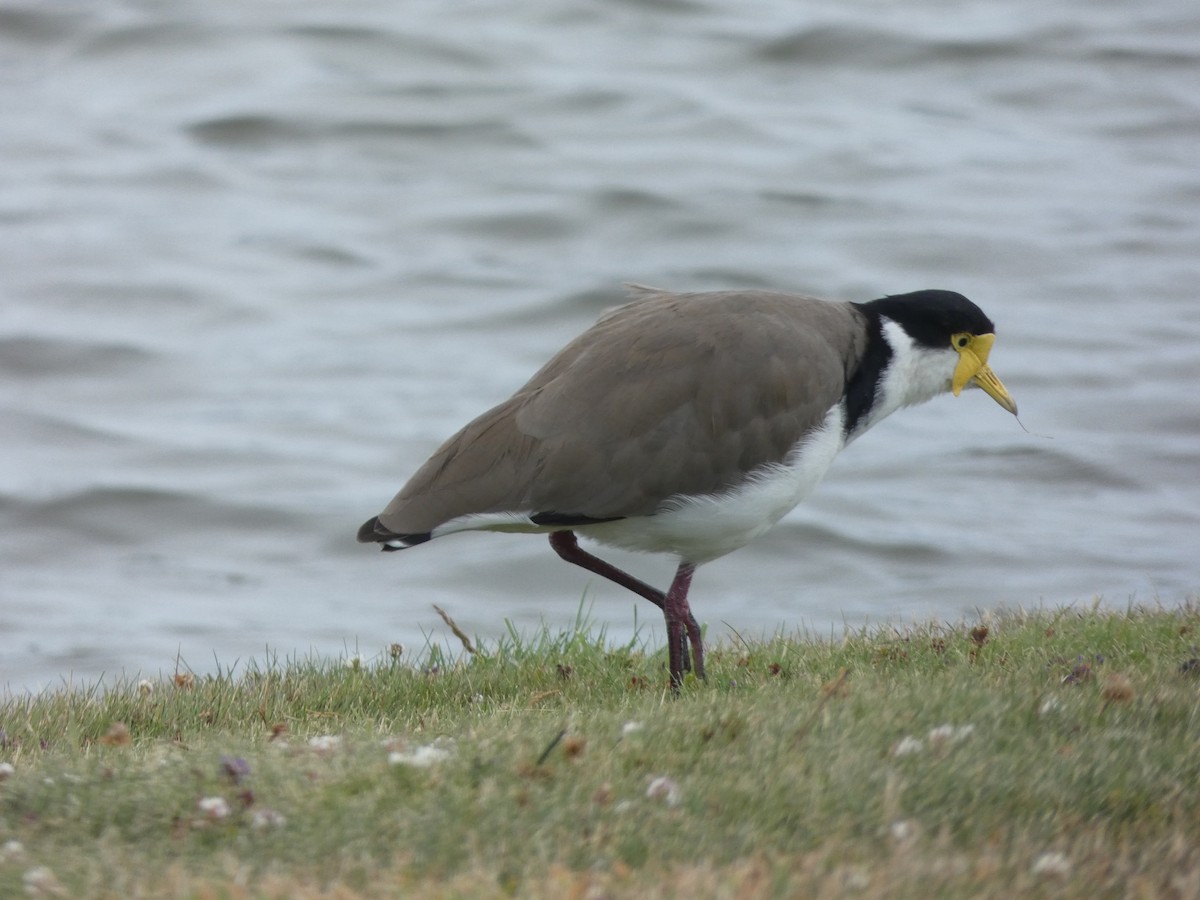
{"points": [[374, 532]]}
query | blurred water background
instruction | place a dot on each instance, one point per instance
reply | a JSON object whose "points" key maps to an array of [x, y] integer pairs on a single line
{"points": [[258, 259]]}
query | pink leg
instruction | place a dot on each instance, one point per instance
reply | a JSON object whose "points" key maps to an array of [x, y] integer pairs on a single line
{"points": [[682, 624], [567, 546], [674, 604]]}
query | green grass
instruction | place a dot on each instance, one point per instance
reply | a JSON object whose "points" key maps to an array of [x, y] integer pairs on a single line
{"points": [[1071, 768]]}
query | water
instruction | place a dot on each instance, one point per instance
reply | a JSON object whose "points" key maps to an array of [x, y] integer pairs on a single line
{"points": [[259, 260]]}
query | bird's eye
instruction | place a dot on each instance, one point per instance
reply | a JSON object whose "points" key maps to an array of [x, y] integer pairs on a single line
{"points": [[960, 341]]}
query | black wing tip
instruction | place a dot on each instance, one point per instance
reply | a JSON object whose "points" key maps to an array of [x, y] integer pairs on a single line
{"points": [[374, 532]]}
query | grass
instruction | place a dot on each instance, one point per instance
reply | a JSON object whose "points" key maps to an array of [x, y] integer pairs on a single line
{"points": [[1047, 754]]}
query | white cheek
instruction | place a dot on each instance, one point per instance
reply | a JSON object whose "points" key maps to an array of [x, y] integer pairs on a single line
{"points": [[915, 375]]}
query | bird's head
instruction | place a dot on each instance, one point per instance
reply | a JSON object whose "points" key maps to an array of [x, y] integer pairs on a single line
{"points": [[951, 337]]}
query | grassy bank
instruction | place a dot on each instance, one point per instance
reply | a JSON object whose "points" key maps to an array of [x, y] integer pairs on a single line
{"points": [[1053, 754]]}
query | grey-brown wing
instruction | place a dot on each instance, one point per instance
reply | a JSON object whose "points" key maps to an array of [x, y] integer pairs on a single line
{"points": [[672, 394]]}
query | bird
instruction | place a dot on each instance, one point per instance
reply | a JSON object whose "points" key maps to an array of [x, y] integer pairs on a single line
{"points": [[688, 424]]}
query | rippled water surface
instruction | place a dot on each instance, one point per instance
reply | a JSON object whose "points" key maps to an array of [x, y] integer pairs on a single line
{"points": [[257, 260]]}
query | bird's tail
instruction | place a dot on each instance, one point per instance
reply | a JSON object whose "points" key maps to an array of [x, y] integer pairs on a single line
{"points": [[374, 532]]}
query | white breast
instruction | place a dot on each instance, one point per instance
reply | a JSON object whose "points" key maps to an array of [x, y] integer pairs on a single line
{"points": [[699, 529]]}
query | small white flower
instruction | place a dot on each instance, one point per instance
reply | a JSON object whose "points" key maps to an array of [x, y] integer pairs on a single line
{"points": [[907, 746], [324, 744], [11, 850], [631, 727], [145, 687], [855, 878], [7, 770], [267, 818], [941, 734], [355, 662], [664, 788], [1049, 705], [422, 757], [948, 735], [214, 807], [904, 830], [41, 882], [1052, 865]]}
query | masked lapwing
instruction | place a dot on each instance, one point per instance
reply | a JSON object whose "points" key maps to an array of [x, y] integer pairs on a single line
{"points": [[689, 424]]}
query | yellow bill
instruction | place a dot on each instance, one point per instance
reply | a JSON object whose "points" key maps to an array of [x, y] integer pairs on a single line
{"points": [[973, 351]]}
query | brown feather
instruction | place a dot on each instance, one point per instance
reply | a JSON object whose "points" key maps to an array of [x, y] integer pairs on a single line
{"points": [[670, 394]]}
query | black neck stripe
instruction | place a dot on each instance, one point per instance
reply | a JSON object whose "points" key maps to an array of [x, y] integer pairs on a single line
{"points": [[862, 389]]}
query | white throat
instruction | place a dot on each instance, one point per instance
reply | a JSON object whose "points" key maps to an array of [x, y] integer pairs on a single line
{"points": [[914, 374]]}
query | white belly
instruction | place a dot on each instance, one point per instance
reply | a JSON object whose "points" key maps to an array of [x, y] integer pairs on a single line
{"points": [[698, 529]]}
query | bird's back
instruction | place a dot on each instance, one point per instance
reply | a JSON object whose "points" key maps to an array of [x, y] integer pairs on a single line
{"points": [[672, 394]]}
